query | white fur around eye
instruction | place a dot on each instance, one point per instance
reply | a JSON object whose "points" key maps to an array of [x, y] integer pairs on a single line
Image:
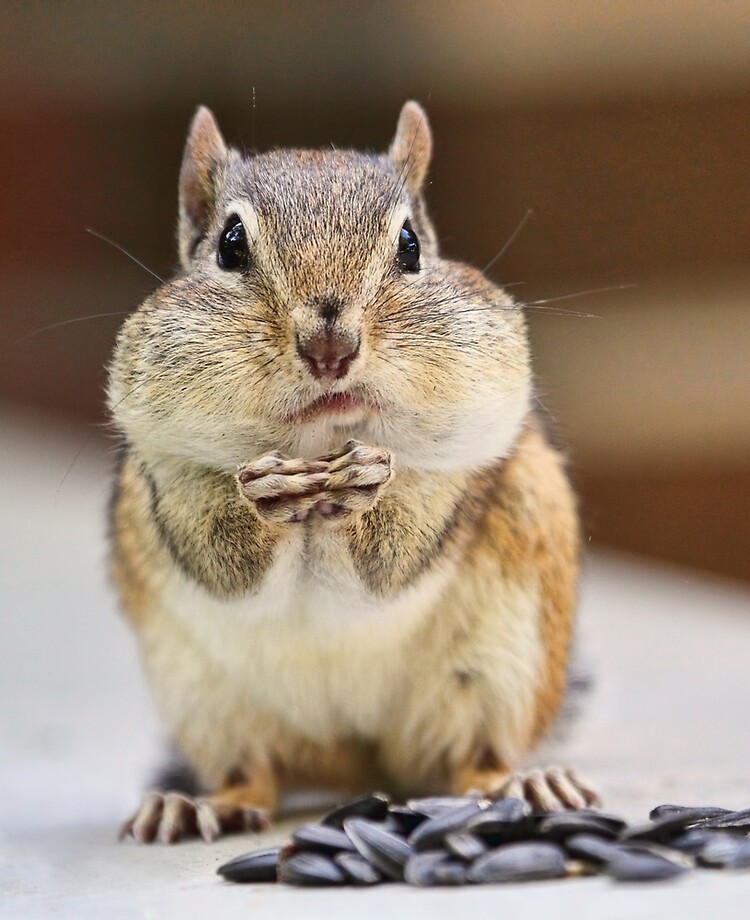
{"points": [[400, 214], [249, 217], [247, 214]]}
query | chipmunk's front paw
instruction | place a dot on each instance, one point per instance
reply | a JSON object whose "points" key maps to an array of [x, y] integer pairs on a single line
{"points": [[287, 491], [171, 816], [356, 476], [283, 491]]}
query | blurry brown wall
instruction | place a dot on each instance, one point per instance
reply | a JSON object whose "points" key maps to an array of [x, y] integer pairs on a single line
{"points": [[626, 127]]}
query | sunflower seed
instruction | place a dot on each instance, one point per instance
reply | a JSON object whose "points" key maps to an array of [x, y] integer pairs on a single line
{"points": [[726, 851], [404, 819], [734, 821], [431, 833], [614, 821], [437, 804], [374, 806], [562, 825], [420, 868], [664, 828], [692, 841], [319, 838], [310, 869], [519, 862], [386, 851], [650, 848], [450, 872], [587, 846], [357, 869], [465, 846], [641, 867], [664, 811], [509, 809], [496, 828], [259, 866]]}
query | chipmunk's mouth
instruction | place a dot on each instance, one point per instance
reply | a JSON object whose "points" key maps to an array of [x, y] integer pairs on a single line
{"points": [[342, 407]]}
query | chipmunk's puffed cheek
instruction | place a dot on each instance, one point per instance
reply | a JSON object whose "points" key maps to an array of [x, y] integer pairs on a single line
{"points": [[461, 434]]}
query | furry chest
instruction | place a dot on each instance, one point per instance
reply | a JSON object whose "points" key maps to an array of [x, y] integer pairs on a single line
{"points": [[325, 659]]}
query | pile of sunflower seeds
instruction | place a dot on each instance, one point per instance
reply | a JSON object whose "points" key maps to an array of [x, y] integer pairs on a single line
{"points": [[455, 840]]}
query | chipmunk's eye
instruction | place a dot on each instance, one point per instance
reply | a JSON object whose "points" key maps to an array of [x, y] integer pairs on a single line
{"points": [[233, 254], [408, 249]]}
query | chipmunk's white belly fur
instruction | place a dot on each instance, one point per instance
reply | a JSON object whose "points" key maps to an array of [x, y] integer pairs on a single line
{"points": [[326, 660]]}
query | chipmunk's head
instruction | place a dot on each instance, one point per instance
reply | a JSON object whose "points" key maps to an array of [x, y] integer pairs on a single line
{"points": [[312, 307]]}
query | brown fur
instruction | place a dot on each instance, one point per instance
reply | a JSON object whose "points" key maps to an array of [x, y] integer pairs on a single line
{"points": [[532, 521]]}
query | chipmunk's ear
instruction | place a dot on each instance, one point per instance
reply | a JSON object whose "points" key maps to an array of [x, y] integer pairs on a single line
{"points": [[205, 153], [411, 149]]}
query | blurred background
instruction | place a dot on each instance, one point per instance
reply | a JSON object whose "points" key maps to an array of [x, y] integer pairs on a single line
{"points": [[625, 126]]}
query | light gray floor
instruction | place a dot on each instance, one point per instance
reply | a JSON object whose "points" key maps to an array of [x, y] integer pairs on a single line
{"points": [[666, 722]]}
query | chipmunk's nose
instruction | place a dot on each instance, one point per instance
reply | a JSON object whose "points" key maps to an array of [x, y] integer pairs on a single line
{"points": [[328, 353]]}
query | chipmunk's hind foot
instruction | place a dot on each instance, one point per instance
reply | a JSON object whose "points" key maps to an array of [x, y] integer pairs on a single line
{"points": [[550, 789], [544, 788], [168, 817]]}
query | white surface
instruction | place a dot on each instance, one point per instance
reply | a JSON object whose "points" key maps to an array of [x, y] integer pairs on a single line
{"points": [[666, 722]]}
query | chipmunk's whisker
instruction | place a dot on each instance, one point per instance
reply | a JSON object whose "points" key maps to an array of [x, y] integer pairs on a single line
{"points": [[509, 242], [124, 251], [601, 290], [68, 322]]}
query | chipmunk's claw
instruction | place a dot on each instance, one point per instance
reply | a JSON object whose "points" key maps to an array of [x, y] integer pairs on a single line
{"points": [[285, 491], [549, 789], [282, 491], [168, 817], [356, 475]]}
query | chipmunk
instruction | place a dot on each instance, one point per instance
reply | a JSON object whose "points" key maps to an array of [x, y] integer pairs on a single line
{"points": [[346, 547]]}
